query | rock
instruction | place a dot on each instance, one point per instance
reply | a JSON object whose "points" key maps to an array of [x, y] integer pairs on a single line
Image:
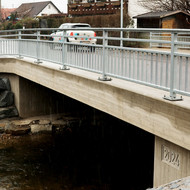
{"points": [[22, 122], [2, 127], [41, 125], [44, 121], [6, 98], [2, 188], [5, 84], [41, 121], [8, 112], [180, 184], [36, 128], [16, 130]]}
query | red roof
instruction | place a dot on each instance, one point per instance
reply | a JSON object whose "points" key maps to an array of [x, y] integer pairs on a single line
{"points": [[5, 12]]}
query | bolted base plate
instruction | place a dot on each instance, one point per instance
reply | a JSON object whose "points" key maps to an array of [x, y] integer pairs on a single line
{"points": [[173, 98], [104, 79], [38, 62], [64, 68]]}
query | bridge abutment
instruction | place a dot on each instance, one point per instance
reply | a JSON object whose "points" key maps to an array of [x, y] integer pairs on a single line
{"points": [[32, 99], [171, 162]]}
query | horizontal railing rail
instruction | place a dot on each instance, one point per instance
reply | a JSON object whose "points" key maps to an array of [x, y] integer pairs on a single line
{"points": [[183, 40], [157, 58]]}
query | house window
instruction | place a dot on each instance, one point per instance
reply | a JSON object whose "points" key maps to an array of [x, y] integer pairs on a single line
{"points": [[49, 6]]}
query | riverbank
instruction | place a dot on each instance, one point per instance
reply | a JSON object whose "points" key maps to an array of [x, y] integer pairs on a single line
{"points": [[12, 129]]}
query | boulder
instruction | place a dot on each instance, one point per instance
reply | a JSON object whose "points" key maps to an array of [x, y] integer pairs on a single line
{"points": [[37, 128], [16, 130], [41, 125], [41, 121], [22, 122], [2, 127], [6, 98], [5, 84], [8, 112]]}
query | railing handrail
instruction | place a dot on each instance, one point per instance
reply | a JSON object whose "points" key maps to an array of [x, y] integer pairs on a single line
{"points": [[153, 60], [163, 30]]}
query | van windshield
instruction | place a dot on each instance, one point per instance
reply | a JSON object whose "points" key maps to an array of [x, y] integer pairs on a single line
{"points": [[81, 26]]}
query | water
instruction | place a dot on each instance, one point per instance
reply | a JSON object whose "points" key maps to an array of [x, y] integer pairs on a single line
{"points": [[105, 155]]}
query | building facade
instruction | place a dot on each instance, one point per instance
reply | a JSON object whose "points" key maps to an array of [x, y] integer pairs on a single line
{"points": [[102, 7]]}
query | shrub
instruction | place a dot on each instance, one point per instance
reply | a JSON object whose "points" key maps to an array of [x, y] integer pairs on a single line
{"points": [[94, 21], [9, 26], [18, 25]]}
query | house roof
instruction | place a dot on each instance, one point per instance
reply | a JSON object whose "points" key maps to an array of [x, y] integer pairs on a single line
{"points": [[5, 12], [158, 15], [32, 9]]}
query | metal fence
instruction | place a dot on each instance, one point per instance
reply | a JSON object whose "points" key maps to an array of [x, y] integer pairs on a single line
{"points": [[166, 69]]}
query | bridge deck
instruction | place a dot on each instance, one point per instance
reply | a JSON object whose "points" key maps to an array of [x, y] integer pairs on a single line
{"points": [[139, 105]]}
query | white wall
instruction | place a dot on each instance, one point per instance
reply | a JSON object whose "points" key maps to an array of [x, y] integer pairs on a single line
{"points": [[134, 9], [49, 9]]}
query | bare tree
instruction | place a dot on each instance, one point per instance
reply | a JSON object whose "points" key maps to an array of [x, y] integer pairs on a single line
{"points": [[166, 5]]}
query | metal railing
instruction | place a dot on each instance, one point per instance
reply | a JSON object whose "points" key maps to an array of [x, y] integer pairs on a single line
{"points": [[166, 69], [182, 37]]}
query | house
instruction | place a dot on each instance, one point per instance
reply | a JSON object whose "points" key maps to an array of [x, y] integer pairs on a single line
{"points": [[166, 19], [94, 7], [36, 9], [135, 8], [102, 7], [5, 12]]}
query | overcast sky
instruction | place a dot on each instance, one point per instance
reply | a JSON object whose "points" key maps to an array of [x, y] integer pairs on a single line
{"points": [[60, 4]]}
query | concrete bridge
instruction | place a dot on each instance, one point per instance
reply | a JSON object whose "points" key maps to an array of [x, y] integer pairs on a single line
{"points": [[135, 103]]}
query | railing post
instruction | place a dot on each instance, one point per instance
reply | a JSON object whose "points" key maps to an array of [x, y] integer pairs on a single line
{"points": [[104, 61], [38, 48], [121, 23], [19, 44], [151, 39], [172, 96], [64, 52]]}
